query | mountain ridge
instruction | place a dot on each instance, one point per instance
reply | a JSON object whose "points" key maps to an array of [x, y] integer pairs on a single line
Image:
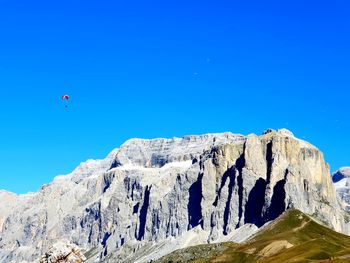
{"points": [[195, 189]]}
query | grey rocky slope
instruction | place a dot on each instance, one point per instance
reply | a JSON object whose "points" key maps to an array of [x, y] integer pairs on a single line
{"points": [[150, 197], [341, 179]]}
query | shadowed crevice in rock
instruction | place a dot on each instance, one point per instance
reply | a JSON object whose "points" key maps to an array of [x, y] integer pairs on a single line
{"points": [[155, 222], [133, 188], [194, 203], [240, 198], [158, 160], [306, 185], [278, 205], [91, 220], [231, 173], [136, 187], [143, 213], [136, 208], [223, 182], [116, 163], [269, 161], [107, 181], [105, 238], [240, 163], [255, 203]]}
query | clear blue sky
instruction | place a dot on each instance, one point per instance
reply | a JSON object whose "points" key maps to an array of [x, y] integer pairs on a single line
{"points": [[162, 69]]}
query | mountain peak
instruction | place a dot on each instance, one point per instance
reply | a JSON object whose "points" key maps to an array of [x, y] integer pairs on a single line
{"points": [[160, 151], [171, 193], [340, 174], [282, 131]]}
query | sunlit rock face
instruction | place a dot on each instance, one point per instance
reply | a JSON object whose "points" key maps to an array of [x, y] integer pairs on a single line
{"points": [[341, 179], [150, 197]]}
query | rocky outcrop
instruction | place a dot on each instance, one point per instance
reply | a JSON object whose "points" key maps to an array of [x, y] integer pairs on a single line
{"points": [[342, 173], [341, 179], [155, 196], [62, 252]]}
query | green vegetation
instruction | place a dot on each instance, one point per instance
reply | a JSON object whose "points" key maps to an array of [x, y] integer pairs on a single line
{"points": [[197, 253], [294, 237]]}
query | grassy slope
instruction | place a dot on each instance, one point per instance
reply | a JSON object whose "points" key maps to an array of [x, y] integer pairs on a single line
{"points": [[294, 237]]}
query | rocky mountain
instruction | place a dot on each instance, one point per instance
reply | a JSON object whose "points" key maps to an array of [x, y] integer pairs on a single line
{"points": [[341, 179], [151, 197], [342, 173]]}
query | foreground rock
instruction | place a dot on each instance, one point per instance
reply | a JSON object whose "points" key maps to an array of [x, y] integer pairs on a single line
{"points": [[62, 252], [150, 197]]}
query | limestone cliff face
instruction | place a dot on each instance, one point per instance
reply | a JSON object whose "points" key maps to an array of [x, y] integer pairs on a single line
{"points": [[154, 196]]}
